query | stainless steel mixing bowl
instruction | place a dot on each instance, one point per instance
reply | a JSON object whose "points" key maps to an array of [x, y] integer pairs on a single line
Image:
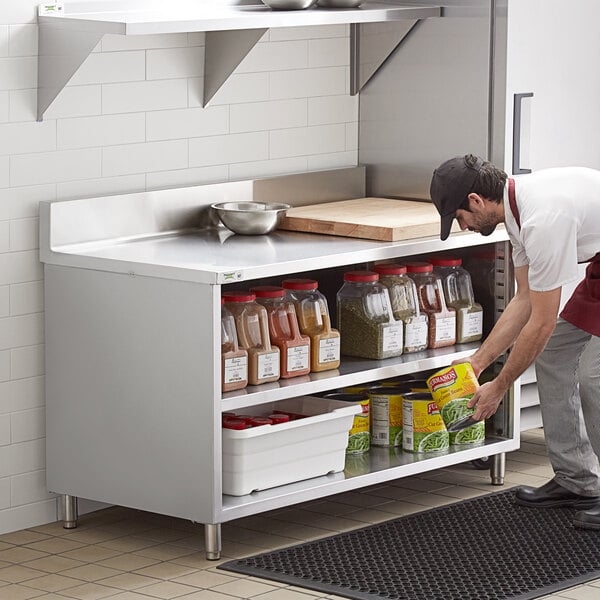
{"points": [[250, 218]]}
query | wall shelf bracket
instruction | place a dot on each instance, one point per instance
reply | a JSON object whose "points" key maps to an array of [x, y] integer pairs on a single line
{"points": [[224, 51], [61, 53], [370, 46]]}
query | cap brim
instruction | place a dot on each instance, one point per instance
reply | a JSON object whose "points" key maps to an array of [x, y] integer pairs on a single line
{"points": [[446, 225]]}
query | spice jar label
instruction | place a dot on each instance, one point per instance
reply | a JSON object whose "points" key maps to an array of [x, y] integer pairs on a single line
{"points": [[472, 324], [445, 329], [329, 350], [392, 338], [298, 358], [268, 365], [236, 369], [416, 334]]}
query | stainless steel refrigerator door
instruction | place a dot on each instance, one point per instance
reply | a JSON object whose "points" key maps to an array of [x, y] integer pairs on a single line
{"points": [[429, 101]]}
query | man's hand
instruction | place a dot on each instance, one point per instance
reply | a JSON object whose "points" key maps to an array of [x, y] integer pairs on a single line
{"points": [[472, 360], [486, 400]]}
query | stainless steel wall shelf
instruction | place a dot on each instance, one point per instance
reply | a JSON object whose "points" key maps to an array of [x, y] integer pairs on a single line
{"points": [[67, 37]]}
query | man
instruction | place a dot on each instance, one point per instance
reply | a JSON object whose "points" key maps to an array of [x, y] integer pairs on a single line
{"points": [[553, 222]]}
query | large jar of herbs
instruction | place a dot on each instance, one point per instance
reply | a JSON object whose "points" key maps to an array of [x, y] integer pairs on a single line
{"points": [[458, 293], [294, 348], [313, 319], [365, 319], [234, 360], [442, 320], [405, 305], [253, 335]]}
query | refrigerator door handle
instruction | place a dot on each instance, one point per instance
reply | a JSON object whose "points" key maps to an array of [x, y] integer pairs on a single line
{"points": [[517, 118]]}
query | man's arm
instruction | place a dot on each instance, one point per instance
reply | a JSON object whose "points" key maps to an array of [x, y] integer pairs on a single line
{"points": [[529, 344], [508, 326]]}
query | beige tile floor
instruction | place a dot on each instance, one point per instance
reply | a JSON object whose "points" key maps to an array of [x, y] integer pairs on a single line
{"points": [[124, 554]]}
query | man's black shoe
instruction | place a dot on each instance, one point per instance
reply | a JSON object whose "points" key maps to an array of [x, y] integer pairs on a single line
{"points": [[553, 495], [588, 519]]}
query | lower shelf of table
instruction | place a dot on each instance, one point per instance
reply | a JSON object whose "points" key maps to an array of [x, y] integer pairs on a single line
{"points": [[376, 466]]}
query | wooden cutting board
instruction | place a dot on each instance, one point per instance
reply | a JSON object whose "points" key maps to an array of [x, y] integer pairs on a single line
{"points": [[383, 219]]}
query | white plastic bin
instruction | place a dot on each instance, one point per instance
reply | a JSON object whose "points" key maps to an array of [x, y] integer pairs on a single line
{"points": [[270, 455]]}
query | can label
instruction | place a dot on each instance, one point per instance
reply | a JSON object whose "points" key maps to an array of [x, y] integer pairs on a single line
{"points": [[386, 418], [424, 429], [452, 388], [359, 437]]}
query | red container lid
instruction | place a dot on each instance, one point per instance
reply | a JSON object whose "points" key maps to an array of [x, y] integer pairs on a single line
{"points": [[239, 296], [446, 261], [268, 291], [234, 423], [279, 418], [419, 267], [361, 276], [258, 421], [299, 284], [390, 269]]}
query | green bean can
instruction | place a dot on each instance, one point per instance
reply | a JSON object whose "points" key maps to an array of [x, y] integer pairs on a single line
{"points": [[359, 436], [386, 416], [452, 388], [424, 429]]}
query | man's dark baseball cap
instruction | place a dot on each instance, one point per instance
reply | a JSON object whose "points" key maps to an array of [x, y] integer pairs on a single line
{"points": [[451, 183]]}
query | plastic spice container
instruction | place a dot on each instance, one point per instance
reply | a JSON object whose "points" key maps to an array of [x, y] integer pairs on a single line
{"points": [[405, 305], [365, 319], [442, 320], [294, 348], [253, 335], [458, 292], [234, 360], [313, 320]]}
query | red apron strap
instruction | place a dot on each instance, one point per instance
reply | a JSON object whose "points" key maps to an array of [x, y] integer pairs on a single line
{"points": [[512, 202]]}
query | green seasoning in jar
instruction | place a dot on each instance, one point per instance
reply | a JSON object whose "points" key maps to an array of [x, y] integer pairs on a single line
{"points": [[359, 436], [313, 319], [365, 320], [458, 292], [424, 429], [442, 320], [405, 305], [386, 416], [253, 335], [234, 360]]}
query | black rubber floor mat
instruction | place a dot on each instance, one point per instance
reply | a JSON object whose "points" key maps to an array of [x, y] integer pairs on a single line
{"points": [[486, 548]]}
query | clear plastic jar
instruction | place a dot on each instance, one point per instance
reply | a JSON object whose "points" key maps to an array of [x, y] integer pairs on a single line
{"points": [[294, 348], [234, 360], [313, 319], [253, 335], [442, 320], [458, 292], [405, 305], [365, 319]]}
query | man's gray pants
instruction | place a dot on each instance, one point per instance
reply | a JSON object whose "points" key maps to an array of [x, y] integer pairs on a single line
{"points": [[568, 378]]}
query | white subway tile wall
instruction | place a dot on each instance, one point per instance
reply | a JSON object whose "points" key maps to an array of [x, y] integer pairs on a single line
{"points": [[131, 119]]}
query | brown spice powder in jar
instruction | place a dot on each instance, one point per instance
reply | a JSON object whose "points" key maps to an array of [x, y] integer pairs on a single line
{"points": [[253, 335]]}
